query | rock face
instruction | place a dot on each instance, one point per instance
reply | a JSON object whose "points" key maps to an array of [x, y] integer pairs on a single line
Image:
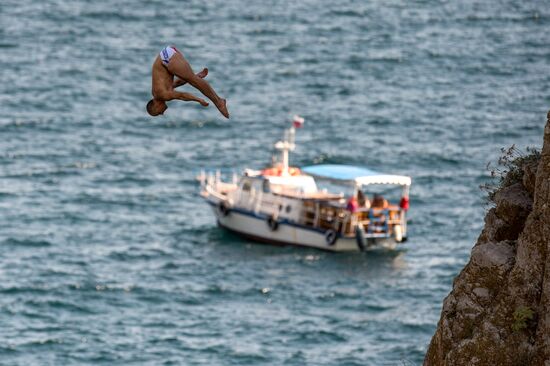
{"points": [[498, 312]]}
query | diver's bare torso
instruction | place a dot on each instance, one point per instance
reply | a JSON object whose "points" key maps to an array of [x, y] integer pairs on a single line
{"points": [[163, 81]]}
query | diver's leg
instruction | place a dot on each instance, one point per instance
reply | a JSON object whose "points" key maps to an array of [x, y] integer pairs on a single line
{"points": [[179, 82], [179, 66]]}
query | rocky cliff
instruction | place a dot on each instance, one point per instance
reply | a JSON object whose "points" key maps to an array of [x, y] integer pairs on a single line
{"points": [[498, 312]]}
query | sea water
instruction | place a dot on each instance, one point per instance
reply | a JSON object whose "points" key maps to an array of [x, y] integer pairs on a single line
{"points": [[108, 256]]}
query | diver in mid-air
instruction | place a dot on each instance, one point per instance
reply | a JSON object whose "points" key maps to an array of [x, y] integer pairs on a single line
{"points": [[169, 63]]}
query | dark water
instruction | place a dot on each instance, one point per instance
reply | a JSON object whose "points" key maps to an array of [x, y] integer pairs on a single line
{"points": [[108, 256]]}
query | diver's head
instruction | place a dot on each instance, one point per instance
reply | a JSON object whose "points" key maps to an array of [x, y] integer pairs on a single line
{"points": [[156, 107]]}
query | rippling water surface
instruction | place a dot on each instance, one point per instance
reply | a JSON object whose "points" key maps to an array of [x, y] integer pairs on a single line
{"points": [[107, 254]]}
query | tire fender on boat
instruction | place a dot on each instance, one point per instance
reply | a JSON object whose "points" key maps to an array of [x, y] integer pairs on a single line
{"points": [[223, 209], [360, 237], [330, 237], [272, 223]]}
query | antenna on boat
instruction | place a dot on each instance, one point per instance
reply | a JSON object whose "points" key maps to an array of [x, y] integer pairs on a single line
{"points": [[288, 144]]}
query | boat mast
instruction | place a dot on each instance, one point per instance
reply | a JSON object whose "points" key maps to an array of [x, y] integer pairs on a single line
{"points": [[285, 146]]}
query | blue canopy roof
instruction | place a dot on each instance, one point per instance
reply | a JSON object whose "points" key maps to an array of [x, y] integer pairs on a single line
{"points": [[339, 172], [359, 175]]}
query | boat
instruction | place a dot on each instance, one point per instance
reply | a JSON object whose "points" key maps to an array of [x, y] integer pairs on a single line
{"points": [[284, 205]]}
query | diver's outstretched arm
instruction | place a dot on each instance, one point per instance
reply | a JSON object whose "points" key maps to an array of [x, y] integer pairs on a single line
{"points": [[187, 97]]}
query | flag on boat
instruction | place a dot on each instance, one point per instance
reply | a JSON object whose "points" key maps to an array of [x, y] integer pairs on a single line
{"points": [[297, 121]]}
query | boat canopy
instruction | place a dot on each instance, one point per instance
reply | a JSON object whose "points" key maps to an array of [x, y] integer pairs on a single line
{"points": [[356, 174]]}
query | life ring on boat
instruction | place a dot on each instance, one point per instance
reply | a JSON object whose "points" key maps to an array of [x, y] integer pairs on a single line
{"points": [[360, 237], [278, 171], [294, 171], [330, 237], [272, 223], [223, 209]]}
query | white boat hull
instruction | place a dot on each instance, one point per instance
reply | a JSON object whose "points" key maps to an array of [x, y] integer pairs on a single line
{"points": [[256, 227]]}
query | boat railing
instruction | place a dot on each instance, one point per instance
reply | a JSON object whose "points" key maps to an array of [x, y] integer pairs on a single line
{"points": [[212, 184], [375, 221], [322, 214], [215, 193], [378, 220]]}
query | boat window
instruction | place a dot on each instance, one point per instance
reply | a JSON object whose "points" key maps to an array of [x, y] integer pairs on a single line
{"points": [[288, 208], [246, 185], [265, 186]]}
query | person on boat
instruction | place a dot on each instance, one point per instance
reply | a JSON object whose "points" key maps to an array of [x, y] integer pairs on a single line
{"points": [[379, 202], [352, 204], [169, 63], [362, 200]]}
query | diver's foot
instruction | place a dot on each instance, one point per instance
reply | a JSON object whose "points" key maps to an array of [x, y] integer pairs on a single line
{"points": [[222, 107], [202, 74], [203, 102]]}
